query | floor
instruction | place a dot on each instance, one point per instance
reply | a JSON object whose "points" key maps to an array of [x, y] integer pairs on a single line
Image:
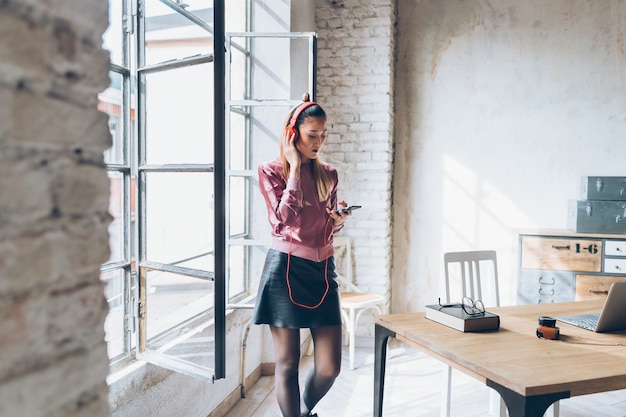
{"points": [[412, 389]]}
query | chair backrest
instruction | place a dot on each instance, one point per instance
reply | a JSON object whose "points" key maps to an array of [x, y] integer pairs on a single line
{"points": [[472, 269], [343, 262]]}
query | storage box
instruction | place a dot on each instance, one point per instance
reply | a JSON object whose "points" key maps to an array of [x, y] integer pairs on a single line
{"points": [[597, 216], [603, 188]]}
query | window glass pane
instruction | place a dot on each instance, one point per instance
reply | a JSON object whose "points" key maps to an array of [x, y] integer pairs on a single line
{"points": [[237, 149], [171, 35], [238, 202], [113, 38], [179, 219], [114, 323], [265, 128], [116, 209], [263, 146], [177, 317], [255, 263], [235, 15], [110, 102], [179, 121], [238, 72], [272, 77], [236, 271]]}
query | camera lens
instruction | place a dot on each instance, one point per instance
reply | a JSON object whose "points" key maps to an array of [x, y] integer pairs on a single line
{"points": [[547, 321]]}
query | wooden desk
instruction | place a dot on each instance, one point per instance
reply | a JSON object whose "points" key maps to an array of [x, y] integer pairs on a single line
{"points": [[530, 373]]}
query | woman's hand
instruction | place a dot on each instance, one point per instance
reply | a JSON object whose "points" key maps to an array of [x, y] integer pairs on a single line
{"points": [[339, 216], [291, 153]]}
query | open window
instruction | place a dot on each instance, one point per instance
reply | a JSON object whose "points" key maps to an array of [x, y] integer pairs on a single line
{"points": [[261, 86], [193, 110]]}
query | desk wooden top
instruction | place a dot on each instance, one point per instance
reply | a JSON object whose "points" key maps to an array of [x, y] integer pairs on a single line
{"points": [[583, 362]]}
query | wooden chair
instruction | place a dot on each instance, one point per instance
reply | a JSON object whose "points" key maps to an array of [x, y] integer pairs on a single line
{"points": [[469, 271], [354, 301]]}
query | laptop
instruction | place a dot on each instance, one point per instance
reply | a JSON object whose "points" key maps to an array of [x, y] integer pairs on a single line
{"points": [[611, 318]]}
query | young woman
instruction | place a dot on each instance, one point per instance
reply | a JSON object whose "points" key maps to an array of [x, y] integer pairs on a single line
{"points": [[298, 287]]}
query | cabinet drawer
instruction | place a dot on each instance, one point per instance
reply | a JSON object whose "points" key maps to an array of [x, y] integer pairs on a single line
{"points": [[561, 254], [537, 287], [615, 248], [591, 287], [615, 266]]}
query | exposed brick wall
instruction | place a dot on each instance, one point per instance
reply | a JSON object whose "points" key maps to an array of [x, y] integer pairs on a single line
{"points": [[355, 85], [53, 208]]}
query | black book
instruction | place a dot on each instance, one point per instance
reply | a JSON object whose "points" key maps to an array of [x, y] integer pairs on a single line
{"points": [[454, 316]]}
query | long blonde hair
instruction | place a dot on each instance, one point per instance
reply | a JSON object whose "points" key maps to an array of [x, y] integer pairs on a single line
{"points": [[323, 182]]}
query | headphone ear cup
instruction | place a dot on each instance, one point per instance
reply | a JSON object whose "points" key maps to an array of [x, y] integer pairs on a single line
{"points": [[291, 131]]}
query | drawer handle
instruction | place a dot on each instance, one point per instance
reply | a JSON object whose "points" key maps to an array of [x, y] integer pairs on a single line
{"points": [[598, 292], [617, 267], [559, 247], [599, 184], [542, 292], [544, 282]]}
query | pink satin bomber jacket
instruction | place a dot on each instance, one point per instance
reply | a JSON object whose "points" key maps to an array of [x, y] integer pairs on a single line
{"points": [[302, 229]]}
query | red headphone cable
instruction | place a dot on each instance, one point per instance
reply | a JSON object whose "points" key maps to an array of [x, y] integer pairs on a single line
{"points": [[325, 272]]}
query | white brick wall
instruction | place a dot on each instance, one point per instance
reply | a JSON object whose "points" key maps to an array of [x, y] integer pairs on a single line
{"points": [[355, 86], [53, 208]]}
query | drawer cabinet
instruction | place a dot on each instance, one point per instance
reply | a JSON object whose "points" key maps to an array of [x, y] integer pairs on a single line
{"points": [[560, 266], [589, 287], [544, 286], [566, 254], [615, 266], [615, 248]]}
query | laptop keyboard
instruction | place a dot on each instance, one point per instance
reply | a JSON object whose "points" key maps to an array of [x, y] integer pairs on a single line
{"points": [[586, 321]]}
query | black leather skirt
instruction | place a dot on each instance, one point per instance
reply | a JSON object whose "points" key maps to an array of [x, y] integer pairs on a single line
{"points": [[297, 293]]}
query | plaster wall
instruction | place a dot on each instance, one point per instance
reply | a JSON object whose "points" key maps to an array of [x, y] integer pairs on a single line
{"points": [[501, 108]]}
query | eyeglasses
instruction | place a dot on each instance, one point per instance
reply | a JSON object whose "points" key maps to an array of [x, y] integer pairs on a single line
{"points": [[469, 306]]}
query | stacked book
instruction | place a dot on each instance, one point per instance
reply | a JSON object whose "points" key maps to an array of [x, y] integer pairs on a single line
{"points": [[455, 316]]}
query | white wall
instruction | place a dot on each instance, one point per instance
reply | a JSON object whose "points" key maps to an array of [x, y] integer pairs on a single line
{"points": [[501, 107]]}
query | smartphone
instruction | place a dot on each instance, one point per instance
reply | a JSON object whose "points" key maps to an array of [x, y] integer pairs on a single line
{"points": [[347, 209]]}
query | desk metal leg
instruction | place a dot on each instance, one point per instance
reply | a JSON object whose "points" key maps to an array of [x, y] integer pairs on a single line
{"points": [[381, 335], [521, 406]]}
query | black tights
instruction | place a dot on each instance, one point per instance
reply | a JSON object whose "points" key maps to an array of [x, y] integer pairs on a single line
{"points": [[327, 364]]}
